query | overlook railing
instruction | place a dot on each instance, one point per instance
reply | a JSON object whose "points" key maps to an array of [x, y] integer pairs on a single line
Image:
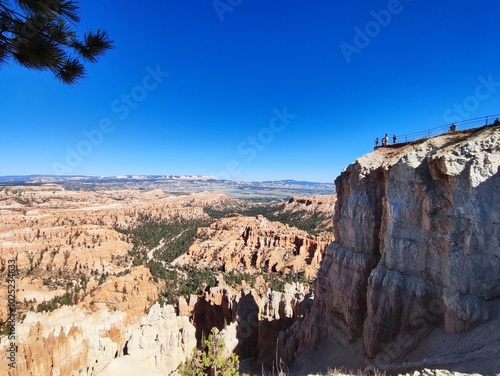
{"points": [[460, 125]]}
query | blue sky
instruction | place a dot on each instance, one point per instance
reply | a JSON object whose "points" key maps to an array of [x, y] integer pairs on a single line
{"points": [[256, 90]]}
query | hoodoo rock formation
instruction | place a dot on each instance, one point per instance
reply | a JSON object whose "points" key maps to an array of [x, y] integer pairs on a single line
{"points": [[255, 244], [86, 302], [249, 319], [417, 242], [108, 324]]}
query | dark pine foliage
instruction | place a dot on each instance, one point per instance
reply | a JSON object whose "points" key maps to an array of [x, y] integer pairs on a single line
{"points": [[56, 302], [39, 34], [183, 282]]}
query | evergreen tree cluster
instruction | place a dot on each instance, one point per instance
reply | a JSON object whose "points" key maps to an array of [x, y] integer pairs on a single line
{"points": [[184, 282], [173, 236]]}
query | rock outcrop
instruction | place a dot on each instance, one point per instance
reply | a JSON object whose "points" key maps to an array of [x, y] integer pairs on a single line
{"points": [[417, 242], [250, 319], [161, 342], [316, 207], [320, 204]]}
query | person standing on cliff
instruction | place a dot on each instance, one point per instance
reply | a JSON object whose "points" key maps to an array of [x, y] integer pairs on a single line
{"points": [[394, 139], [385, 140], [376, 142]]}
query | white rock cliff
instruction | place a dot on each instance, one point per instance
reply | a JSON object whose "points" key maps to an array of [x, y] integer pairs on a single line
{"points": [[417, 242]]}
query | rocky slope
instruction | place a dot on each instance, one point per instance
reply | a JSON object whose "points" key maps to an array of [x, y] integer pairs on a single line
{"points": [[417, 247], [255, 244], [316, 207], [322, 204], [111, 322]]}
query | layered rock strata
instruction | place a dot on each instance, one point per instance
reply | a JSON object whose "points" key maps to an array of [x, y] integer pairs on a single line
{"points": [[417, 242]]}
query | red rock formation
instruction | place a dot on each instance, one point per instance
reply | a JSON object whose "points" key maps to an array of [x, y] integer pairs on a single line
{"points": [[321, 204]]}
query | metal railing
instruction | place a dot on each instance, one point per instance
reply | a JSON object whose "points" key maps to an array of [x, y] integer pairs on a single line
{"points": [[460, 125]]}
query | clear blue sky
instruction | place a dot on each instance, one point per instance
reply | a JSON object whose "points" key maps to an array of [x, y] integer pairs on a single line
{"points": [[231, 71]]}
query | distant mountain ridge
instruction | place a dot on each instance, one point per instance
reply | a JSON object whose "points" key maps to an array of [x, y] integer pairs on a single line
{"points": [[177, 184], [34, 179]]}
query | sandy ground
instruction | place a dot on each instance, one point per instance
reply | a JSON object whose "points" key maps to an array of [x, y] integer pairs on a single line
{"points": [[128, 366], [34, 289]]}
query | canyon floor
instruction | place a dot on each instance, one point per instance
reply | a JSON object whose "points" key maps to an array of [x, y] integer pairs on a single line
{"points": [[437, 353]]}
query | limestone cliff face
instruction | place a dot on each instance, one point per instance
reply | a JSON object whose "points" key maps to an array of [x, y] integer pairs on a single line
{"points": [[417, 239]]}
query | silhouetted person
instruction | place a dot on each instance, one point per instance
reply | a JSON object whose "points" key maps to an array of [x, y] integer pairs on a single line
{"points": [[453, 127], [394, 139], [376, 142], [385, 140]]}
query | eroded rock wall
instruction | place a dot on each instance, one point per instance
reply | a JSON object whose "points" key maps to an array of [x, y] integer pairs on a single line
{"points": [[161, 342], [417, 240], [250, 319]]}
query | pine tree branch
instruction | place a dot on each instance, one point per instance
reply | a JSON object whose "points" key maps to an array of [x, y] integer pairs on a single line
{"points": [[42, 38]]}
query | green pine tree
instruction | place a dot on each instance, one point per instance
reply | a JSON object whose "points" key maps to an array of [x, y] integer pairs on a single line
{"points": [[39, 34], [211, 361]]}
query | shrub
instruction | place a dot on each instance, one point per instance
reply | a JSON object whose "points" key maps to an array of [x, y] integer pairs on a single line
{"points": [[211, 360]]}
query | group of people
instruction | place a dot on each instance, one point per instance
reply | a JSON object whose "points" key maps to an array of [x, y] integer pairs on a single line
{"points": [[451, 129], [385, 140]]}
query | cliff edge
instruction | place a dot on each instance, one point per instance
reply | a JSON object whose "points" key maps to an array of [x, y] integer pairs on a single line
{"points": [[416, 252]]}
